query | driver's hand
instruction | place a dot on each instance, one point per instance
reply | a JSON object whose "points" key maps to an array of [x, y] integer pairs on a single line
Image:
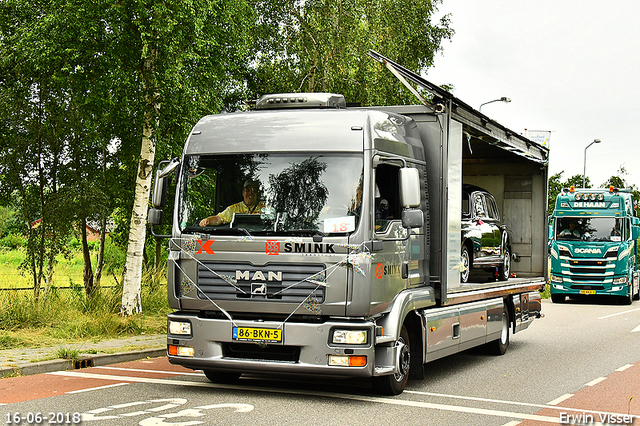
{"points": [[204, 222]]}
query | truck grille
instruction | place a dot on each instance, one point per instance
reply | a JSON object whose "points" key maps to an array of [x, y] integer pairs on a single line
{"points": [[272, 282], [588, 273]]}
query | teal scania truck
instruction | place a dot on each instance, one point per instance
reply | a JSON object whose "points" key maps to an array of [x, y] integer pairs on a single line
{"points": [[593, 243]]}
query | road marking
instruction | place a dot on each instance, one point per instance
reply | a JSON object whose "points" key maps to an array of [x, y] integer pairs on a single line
{"points": [[362, 398], [560, 399], [513, 423], [636, 329], [142, 370], [596, 381], [98, 388], [624, 367], [619, 313]]}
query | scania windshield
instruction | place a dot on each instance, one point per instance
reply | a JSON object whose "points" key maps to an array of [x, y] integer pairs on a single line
{"points": [[602, 229], [271, 194]]}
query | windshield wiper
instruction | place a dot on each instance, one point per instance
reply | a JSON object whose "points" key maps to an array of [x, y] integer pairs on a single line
{"points": [[217, 230], [315, 233]]}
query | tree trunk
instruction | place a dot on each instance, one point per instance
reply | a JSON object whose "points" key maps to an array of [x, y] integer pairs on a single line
{"points": [[100, 261], [86, 255], [131, 303]]}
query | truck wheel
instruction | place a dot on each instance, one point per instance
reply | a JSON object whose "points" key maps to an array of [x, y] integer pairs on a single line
{"points": [[465, 260], [394, 384], [557, 298], [504, 270], [499, 346], [221, 377]]}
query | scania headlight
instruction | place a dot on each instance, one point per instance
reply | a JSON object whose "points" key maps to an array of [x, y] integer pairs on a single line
{"points": [[620, 280], [555, 279], [349, 337], [179, 327]]}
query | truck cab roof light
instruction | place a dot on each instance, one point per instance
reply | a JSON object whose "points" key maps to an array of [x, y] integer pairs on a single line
{"points": [[301, 100]]}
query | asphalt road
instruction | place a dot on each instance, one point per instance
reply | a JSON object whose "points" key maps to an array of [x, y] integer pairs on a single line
{"points": [[582, 359]]}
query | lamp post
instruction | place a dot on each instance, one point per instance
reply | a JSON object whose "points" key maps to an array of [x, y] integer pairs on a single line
{"points": [[584, 170], [502, 99]]}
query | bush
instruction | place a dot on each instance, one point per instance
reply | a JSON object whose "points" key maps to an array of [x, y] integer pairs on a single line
{"points": [[13, 241]]}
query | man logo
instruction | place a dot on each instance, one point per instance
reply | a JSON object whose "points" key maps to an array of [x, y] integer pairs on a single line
{"points": [[259, 289]]}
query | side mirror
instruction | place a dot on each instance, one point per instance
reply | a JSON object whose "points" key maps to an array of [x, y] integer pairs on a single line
{"points": [[412, 218], [409, 187], [159, 197], [155, 216]]}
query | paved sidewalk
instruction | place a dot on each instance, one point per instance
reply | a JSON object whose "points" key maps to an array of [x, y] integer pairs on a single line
{"points": [[26, 361]]}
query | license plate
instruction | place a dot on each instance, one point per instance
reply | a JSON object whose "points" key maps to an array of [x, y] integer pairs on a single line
{"points": [[587, 292], [249, 334]]}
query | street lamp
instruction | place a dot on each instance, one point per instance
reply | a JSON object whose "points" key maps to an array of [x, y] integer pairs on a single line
{"points": [[502, 99], [584, 170]]}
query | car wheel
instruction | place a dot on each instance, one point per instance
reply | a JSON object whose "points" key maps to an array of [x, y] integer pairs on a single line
{"points": [[504, 270], [465, 261]]}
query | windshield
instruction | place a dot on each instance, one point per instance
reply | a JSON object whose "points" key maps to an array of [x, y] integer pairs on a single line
{"points": [[591, 229], [271, 194]]}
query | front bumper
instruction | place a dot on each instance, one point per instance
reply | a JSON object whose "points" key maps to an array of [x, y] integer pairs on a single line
{"points": [[305, 347]]}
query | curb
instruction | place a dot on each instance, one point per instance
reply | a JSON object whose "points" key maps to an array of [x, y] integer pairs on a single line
{"points": [[84, 361]]}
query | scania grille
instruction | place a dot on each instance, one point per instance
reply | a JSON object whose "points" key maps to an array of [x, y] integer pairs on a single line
{"points": [[588, 273], [272, 282]]}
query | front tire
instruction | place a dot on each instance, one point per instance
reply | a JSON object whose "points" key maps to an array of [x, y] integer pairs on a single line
{"points": [[394, 384], [558, 298]]}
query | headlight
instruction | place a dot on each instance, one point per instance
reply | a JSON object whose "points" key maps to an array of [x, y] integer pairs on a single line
{"points": [[181, 328], [350, 337], [620, 280], [555, 279]]}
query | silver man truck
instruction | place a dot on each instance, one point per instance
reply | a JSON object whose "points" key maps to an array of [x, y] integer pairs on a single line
{"points": [[338, 246]]}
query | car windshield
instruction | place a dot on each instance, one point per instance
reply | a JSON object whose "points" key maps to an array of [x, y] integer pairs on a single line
{"points": [[591, 229], [281, 193]]}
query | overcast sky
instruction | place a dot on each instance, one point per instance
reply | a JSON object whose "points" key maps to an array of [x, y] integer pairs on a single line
{"points": [[568, 66]]}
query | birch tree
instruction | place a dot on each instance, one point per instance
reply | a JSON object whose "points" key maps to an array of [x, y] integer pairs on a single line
{"points": [[182, 53]]}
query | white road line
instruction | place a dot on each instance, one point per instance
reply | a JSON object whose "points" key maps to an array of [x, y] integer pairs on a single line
{"points": [[560, 399], [98, 388], [513, 423], [391, 401], [624, 367], [636, 329], [619, 313], [596, 381], [142, 370]]}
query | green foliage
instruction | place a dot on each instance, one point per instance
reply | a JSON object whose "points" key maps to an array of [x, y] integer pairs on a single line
{"points": [[67, 353], [556, 185], [63, 314], [321, 45], [12, 241]]}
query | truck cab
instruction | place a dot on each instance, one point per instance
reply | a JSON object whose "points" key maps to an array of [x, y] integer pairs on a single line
{"points": [[593, 244]]}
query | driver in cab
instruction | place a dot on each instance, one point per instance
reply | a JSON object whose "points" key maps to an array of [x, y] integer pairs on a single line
{"points": [[250, 204]]}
